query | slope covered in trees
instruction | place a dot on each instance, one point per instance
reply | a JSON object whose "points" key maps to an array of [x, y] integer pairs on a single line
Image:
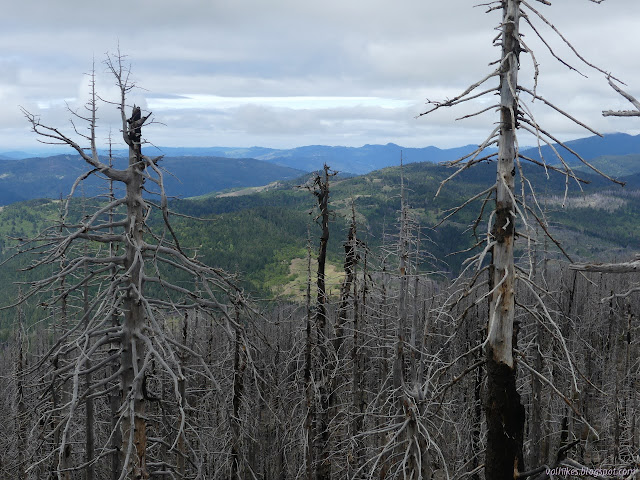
{"points": [[261, 235], [53, 177]]}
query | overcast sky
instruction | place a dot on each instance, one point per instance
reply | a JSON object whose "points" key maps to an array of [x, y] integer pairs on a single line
{"points": [[286, 73]]}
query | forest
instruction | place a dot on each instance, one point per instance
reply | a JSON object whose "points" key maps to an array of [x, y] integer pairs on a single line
{"points": [[468, 320]]}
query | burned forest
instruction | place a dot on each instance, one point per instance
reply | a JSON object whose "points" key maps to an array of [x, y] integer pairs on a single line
{"points": [[447, 321]]}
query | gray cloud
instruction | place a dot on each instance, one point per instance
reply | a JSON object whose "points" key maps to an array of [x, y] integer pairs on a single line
{"points": [[407, 51]]}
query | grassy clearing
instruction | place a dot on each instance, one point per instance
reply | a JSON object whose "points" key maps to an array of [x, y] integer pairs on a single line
{"points": [[296, 286]]}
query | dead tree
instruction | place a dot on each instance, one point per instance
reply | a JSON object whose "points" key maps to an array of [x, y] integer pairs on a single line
{"points": [[124, 267], [513, 215], [320, 189], [503, 409], [309, 419]]}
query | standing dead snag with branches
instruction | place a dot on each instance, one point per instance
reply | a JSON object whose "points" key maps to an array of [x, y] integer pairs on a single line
{"points": [[124, 266], [320, 189], [503, 410]]}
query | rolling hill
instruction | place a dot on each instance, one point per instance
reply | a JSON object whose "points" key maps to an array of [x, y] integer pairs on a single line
{"points": [[53, 177], [262, 235]]}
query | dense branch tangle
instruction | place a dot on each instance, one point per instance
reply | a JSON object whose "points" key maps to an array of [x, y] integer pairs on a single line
{"points": [[511, 218], [120, 334]]}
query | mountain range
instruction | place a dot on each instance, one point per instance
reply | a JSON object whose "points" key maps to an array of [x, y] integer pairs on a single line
{"points": [[195, 171], [52, 177], [261, 233]]}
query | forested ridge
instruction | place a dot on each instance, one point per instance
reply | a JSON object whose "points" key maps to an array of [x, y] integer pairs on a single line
{"points": [[258, 235]]}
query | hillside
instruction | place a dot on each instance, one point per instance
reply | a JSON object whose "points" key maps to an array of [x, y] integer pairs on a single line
{"points": [[53, 177], [260, 235], [612, 144], [201, 170], [365, 159]]}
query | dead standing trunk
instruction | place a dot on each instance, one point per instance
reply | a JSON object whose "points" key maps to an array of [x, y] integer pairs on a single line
{"points": [[114, 397], [239, 365], [90, 417], [20, 408], [504, 412], [309, 421], [319, 451], [323, 471], [134, 428]]}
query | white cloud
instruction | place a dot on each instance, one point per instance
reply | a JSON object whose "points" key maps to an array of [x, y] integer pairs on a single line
{"points": [[295, 102]]}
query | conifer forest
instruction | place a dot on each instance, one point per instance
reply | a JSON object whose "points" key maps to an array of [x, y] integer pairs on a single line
{"points": [[423, 322]]}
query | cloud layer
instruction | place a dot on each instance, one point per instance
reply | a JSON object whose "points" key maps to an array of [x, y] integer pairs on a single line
{"points": [[286, 73]]}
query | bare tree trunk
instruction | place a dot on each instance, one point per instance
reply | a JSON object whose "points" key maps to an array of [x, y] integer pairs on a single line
{"points": [[182, 390], [20, 409], [61, 460], [239, 364], [356, 358], [323, 471], [114, 397], [89, 420], [336, 374], [309, 422], [504, 412], [398, 362], [134, 427], [535, 420]]}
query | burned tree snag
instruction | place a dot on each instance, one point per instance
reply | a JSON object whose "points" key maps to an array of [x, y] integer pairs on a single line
{"points": [[119, 335], [309, 421], [504, 413], [239, 366], [319, 187], [134, 427], [323, 470], [135, 125]]}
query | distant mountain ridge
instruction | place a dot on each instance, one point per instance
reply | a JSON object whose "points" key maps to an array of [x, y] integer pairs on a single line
{"points": [[365, 159], [355, 160], [198, 171], [611, 144], [52, 177]]}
